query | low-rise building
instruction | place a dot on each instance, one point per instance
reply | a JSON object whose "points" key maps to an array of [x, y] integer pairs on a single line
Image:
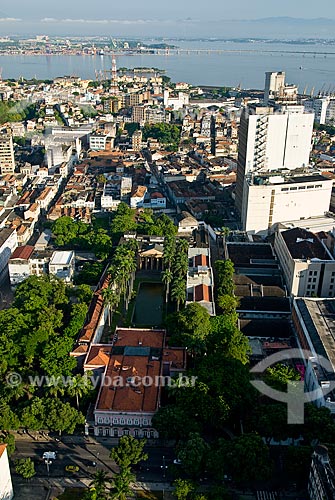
{"points": [[19, 264], [62, 265], [135, 370], [137, 196]]}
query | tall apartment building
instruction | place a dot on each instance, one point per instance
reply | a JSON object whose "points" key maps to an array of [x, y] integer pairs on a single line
{"points": [[271, 140], [7, 162], [137, 140]]}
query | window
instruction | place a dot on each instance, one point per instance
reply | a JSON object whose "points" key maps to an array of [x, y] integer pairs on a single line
{"points": [[308, 287], [129, 421], [314, 280], [122, 421], [310, 187], [100, 420], [115, 421], [284, 189], [309, 280], [136, 422], [331, 287], [302, 187], [332, 280], [126, 432], [145, 422]]}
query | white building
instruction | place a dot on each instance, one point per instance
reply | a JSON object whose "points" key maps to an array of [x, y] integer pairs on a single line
{"points": [[176, 102], [313, 321], [137, 196], [8, 243], [98, 141], [6, 487], [272, 139], [108, 200], [7, 162], [200, 283], [62, 265], [318, 106], [274, 81], [18, 264], [307, 264], [269, 199]]}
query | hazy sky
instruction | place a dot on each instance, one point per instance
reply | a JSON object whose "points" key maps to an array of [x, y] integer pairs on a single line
{"points": [[155, 17]]}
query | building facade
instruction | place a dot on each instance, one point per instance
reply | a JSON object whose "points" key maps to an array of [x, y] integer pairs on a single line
{"points": [[271, 140], [307, 264], [6, 486]]}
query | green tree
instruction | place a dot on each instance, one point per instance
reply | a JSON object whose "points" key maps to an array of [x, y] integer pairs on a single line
{"points": [[99, 484], [129, 452], [174, 422], [9, 440], [228, 303], [80, 385], [111, 299], [246, 458], [62, 417], [25, 467], [121, 489], [183, 488], [166, 279], [190, 327], [193, 454], [280, 375], [178, 291]]}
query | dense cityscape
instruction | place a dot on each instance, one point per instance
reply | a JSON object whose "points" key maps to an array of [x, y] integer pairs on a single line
{"points": [[167, 284]]}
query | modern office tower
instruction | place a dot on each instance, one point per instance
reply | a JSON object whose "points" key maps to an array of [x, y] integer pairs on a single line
{"points": [[7, 162], [274, 81], [271, 140]]}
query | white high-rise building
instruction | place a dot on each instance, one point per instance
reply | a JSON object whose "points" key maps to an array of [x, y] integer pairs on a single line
{"points": [[274, 81], [272, 140], [7, 162]]}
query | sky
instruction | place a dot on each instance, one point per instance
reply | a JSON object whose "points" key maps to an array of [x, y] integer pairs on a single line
{"points": [[167, 18]]}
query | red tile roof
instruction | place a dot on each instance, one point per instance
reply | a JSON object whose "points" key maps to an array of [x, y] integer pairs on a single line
{"points": [[202, 292], [23, 252]]}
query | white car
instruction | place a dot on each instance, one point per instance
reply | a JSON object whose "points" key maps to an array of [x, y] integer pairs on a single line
{"points": [[177, 461], [49, 455]]}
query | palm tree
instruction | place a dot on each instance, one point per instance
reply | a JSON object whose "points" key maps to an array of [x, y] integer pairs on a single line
{"points": [[182, 246], [80, 385], [121, 486], [55, 386], [99, 483], [166, 279], [111, 299], [178, 291]]}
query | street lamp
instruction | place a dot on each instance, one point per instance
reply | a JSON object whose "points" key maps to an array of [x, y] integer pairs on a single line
{"points": [[48, 462], [164, 467]]}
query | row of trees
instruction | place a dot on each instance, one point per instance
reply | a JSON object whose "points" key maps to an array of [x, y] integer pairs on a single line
{"points": [[175, 262], [121, 276], [127, 454], [36, 336]]}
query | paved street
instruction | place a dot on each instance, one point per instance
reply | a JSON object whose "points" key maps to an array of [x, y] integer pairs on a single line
{"points": [[82, 452]]}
